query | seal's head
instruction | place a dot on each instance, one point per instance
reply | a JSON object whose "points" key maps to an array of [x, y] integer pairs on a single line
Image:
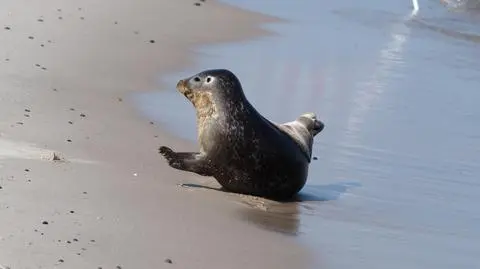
{"points": [[214, 84], [313, 125]]}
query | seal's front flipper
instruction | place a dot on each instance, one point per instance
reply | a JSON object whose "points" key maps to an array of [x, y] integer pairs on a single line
{"points": [[187, 161]]}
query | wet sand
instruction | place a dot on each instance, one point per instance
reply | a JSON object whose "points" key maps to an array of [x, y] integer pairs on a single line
{"points": [[395, 184], [82, 184]]}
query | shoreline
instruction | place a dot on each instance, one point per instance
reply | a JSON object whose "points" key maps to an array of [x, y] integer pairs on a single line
{"points": [[113, 201]]}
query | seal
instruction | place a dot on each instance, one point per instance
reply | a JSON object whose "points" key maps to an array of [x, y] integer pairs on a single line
{"points": [[241, 149]]}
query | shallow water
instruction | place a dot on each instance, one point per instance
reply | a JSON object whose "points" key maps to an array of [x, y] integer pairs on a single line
{"points": [[397, 180]]}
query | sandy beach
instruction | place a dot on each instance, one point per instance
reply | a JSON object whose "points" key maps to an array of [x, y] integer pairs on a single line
{"points": [[82, 184]]}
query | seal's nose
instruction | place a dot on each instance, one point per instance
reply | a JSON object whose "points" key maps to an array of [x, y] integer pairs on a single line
{"points": [[180, 84]]}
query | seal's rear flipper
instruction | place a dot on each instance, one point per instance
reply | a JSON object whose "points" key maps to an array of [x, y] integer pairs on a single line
{"points": [[317, 127], [311, 122]]}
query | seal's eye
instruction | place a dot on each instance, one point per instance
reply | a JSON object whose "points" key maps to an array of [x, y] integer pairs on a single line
{"points": [[196, 79], [209, 79]]}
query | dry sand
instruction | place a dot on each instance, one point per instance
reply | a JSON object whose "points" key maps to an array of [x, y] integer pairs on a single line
{"points": [[66, 70]]}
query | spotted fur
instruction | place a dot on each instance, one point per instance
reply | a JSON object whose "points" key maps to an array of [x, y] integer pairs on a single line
{"points": [[242, 150]]}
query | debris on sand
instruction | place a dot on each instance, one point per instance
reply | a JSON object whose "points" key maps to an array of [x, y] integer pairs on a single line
{"points": [[52, 156]]}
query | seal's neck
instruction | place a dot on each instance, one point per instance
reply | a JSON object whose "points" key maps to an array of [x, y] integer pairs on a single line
{"points": [[236, 108], [204, 104]]}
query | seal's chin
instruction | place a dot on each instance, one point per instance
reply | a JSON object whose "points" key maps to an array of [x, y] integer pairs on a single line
{"points": [[183, 89]]}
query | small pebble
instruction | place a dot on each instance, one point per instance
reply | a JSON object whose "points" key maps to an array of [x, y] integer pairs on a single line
{"points": [[30, 37], [41, 45], [152, 41], [82, 18], [75, 240], [84, 192], [26, 115], [37, 65], [55, 90], [93, 240], [27, 170], [116, 22], [45, 222], [1, 187], [120, 99], [44, 68], [71, 122], [27, 110], [71, 211], [60, 17], [59, 10], [83, 115], [49, 41], [315, 158], [61, 260], [136, 32], [119, 267], [197, 4], [168, 261], [151, 123], [79, 8], [40, 20], [7, 28], [72, 109], [69, 140], [7, 60]]}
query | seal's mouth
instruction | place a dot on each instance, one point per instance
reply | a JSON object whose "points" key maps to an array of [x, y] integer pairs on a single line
{"points": [[183, 89]]}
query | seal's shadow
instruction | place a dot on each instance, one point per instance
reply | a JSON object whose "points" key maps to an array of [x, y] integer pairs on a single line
{"points": [[310, 193], [285, 216]]}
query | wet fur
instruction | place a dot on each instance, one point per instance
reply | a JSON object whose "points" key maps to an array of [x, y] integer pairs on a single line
{"points": [[242, 150]]}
